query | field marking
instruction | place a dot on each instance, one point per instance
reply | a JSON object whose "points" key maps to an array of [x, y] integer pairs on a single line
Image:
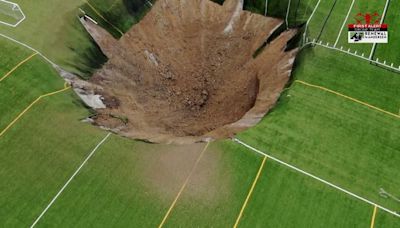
{"points": [[29, 47], [349, 98], [344, 23], [287, 14], [183, 186], [316, 178], [18, 65], [30, 106], [382, 18], [266, 8], [309, 19], [101, 16], [373, 217], [250, 192], [396, 70], [70, 179]]}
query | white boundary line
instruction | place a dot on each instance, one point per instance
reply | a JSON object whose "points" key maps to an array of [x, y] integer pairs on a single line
{"points": [[287, 14], [309, 19], [382, 19], [344, 23], [397, 70], [69, 180], [22, 12], [29, 47], [266, 8], [316, 178]]}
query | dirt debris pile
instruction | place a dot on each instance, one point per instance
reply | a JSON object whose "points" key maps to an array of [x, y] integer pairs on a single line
{"points": [[186, 72]]}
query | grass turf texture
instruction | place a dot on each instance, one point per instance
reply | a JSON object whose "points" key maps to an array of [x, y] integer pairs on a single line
{"points": [[334, 22], [336, 139], [57, 34], [389, 51], [10, 55], [112, 190], [230, 172], [386, 220], [350, 76], [8, 14], [285, 198], [320, 17], [37, 160], [24, 85]]}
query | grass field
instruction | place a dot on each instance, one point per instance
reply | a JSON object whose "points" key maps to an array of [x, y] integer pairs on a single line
{"points": [[37, 160], [9, 13], [279, 188], [24, 85], [319, 19], [132, 183], [325, 134], [386, 51], [334, 23]]}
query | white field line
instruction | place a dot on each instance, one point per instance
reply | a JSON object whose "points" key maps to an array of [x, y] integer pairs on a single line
{"points": [[344, 23], [287, 14], [29, 47], [316, 178], [266, 8], [70, 179], [382, 18], [21, 20], [309, 19], [397, 70]]}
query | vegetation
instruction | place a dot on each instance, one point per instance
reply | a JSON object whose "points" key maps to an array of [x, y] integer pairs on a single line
{"points": [[339, 140]]}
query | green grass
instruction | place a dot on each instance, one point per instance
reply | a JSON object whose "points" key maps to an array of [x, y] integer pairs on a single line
{"points": [[334, 23], [24, 85], [360, 6], [386, 220], [7, 14], [317, 22], [58, 34], [285, 198], [37, 160], [389, 51], [341, 141], [300, 11], [230, 171], [121, 13], [11, 55], [351, 76], [113, 189]]}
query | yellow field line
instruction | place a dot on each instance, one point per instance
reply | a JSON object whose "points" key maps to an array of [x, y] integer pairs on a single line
{"points": [[30, 106], [349, 98], [99, 14], [183, 186], [18, 65], [250, 192], [373, 217]]}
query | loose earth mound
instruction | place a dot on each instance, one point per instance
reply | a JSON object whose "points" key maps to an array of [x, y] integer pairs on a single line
{"points": [[186, 72]]}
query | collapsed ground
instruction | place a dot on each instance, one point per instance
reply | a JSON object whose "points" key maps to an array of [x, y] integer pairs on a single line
{"points": [[186, 72]]}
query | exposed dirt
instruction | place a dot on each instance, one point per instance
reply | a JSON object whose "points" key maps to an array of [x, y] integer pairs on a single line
{"points": [[186, 72]]}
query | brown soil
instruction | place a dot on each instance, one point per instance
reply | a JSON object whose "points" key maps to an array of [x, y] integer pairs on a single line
{"points": [[186, 72]]}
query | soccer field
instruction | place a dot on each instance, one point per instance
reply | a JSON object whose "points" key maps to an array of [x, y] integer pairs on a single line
{"points": [[338, 120], [344, 141]]}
